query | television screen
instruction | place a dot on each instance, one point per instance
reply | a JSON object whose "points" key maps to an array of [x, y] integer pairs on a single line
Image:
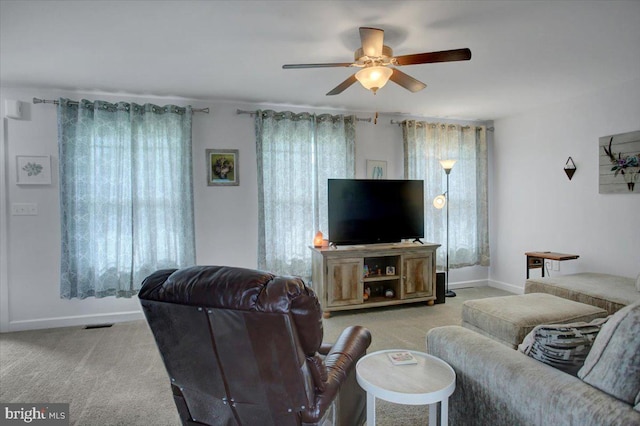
{"points": [[363, 211]]}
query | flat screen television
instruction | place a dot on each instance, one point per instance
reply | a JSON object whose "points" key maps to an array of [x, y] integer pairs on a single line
{"points": [[367, 211]]}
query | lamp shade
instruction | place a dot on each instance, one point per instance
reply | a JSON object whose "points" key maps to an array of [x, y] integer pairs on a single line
{"points": [[447, 164], [373, 78], [440, 201]]}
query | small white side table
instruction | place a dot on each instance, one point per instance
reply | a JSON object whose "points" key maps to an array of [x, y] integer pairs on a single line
{"points": [[429, 381]]}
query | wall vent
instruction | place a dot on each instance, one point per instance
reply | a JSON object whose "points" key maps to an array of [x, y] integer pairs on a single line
{"points": [[89, 327]]}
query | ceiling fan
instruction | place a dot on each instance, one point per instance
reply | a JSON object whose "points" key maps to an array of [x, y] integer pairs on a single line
{"points": [[378, 64]]}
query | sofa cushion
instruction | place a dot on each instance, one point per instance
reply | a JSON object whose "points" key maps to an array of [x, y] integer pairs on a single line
{"points": [[613, 365], [563, 346]]}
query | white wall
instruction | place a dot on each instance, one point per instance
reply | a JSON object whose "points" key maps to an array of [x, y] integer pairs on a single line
{"points": [[534, 206], [226, 217]]}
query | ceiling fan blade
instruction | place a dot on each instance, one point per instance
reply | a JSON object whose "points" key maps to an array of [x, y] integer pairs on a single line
{"points": [[336, 64], [372, 40], [431, 57], [406, 81], [343, 86]]}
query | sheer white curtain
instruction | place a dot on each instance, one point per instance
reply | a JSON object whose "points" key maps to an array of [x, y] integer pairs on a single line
{"points": [[125, 193], [296, 154], [335, 158], [425, 144]]}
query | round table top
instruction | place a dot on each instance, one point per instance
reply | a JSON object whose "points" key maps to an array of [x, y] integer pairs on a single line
{"points": [[428, 381]]}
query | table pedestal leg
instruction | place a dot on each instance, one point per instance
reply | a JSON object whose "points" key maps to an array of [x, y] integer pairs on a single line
{"points": [[371, 409]]}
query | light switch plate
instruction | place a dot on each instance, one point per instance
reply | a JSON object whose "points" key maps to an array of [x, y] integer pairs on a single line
{"points": [[24, 209]]}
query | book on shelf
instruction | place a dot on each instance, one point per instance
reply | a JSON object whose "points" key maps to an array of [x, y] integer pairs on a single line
{"points": [[402, 358]]}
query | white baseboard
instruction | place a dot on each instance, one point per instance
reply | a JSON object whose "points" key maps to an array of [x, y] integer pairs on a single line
{"points": [[487, 283], [507, 287], [74, 321], [466, 284], [83, 320]]}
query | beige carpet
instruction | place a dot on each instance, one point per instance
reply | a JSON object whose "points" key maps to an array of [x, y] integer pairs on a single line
{"points": [[114, 376]]}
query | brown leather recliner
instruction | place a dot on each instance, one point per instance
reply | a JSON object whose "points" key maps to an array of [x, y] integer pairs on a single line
{"points": [[244, 347]]}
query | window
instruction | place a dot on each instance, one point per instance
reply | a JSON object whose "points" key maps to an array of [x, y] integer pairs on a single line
{"points": [[125, 193], [425, 145], [296, 154]]}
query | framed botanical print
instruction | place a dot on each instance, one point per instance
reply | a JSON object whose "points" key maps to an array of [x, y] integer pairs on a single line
{"points": [[222, 167], [33, 170]]}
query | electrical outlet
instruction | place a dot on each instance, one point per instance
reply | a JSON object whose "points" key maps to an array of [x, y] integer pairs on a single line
{"points": [[24, 209]]}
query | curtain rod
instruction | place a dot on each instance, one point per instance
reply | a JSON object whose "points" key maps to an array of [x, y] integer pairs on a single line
{"points": [[464, 127], [56, 102], [252, 113]]}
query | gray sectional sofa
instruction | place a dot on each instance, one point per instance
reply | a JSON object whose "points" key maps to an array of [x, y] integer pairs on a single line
{"points": [[497, 385], [606, 291]]}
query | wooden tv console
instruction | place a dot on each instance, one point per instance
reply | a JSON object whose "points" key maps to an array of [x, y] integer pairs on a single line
{"points": [[343, 274]]}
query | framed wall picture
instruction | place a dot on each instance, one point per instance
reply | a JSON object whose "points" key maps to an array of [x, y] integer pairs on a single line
{"points": [[33, 169], [619, 163], [222, 167], [376, 169]]}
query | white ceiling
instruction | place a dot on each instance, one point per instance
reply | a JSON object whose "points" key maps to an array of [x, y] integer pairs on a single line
{"points": [[526, 54]]}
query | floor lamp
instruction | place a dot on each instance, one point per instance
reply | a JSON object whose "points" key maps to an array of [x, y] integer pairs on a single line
{"points": [[439, 202]]}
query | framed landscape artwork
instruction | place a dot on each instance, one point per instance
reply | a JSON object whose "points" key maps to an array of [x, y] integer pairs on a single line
{"points": [[222, 167], [620, 163]]}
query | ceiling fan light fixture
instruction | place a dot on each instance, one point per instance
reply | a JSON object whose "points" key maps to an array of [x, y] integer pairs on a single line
{"points": [[373, 78], [375, 59]]}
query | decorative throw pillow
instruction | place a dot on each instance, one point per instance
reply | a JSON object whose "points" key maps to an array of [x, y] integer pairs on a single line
{"points": [[613, 365], [563, 346]]}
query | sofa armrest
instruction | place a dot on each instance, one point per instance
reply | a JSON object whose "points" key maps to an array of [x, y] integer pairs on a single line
{"points": [[501, 386], [349, 348], [325, 348], [340, 363]]}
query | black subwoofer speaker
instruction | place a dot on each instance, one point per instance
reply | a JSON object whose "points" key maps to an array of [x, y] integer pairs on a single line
{"points": [[440, 278]]}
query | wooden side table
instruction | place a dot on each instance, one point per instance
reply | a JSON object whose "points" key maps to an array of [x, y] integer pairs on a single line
{"points": [[535, 259], [429, 381]]}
